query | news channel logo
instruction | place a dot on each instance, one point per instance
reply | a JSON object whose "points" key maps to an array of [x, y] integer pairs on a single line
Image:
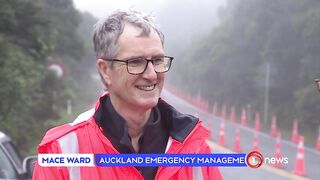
{"points": [[255, 159]]}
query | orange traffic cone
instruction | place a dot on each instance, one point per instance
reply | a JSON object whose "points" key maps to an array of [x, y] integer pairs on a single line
{"points": [[222, 139], [243, 120], [295, 133], [299, 168], [318, 141], [273, 131], [257, 126], [278, 154], [232, 114], [236, 144], [215, 109], [223, 112], [255, 142]]}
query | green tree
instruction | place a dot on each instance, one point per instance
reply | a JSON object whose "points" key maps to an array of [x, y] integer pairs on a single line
{"points": [[31, 33], [229, 64]]}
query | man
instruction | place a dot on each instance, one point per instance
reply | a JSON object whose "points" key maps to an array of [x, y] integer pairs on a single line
{"points": [[130, 117]]}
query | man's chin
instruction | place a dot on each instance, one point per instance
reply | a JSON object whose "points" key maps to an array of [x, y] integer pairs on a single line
{"points": [[148, 104]]}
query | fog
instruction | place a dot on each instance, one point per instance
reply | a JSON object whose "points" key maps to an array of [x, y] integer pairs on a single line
{"points": [[234, 60], [180, 20]]}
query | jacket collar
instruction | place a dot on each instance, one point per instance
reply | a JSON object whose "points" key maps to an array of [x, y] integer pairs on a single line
{"points": [[179, 125]]}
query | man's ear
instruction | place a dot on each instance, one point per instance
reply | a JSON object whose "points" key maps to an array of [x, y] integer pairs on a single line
{"points": [[104, 71]]}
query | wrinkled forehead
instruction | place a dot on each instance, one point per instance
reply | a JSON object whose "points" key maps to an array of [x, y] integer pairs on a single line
{"points": [[132, 43]]}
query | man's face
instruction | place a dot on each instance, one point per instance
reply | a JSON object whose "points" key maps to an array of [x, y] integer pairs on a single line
{"points": [[143, 90]]}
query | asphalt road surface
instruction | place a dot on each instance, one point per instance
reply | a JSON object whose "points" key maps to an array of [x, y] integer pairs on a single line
{"points": [[266, 146]]}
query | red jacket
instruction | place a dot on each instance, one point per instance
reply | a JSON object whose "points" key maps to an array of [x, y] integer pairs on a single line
{"points": [[84, 136]]}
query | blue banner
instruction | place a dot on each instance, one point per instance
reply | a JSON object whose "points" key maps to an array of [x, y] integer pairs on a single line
{"points": [[143, 160]]}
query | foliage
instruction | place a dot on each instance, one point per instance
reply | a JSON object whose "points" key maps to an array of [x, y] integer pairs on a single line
{"points": [[229, 65], [64, 21], [32, 32]]}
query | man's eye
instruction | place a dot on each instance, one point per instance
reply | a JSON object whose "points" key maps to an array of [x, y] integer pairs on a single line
{"points": [[136, 62], [158, 60]]}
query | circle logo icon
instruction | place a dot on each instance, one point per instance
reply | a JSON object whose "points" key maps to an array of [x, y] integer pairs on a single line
{"points": [[254, 159]]}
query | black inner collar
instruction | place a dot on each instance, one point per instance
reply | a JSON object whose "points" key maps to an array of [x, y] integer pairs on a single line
{"points": [[115, 128]]}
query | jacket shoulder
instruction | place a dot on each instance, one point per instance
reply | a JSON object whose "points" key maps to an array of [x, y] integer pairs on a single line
{"points": [[59, 131]]}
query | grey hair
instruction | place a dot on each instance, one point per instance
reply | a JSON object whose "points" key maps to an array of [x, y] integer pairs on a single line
{"points": [[107, 31]]}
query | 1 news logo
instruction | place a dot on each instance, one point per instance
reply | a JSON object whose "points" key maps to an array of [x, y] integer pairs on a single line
{"points": [[255, 159]]}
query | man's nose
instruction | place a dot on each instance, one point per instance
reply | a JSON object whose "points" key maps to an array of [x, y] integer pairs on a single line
{"points": [[150, 72]]}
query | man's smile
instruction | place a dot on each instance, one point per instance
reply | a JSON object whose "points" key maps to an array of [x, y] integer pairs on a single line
{"points": [[146, 87]]}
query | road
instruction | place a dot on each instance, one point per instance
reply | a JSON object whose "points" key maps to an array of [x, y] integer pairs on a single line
{"points": [[266, 146]]}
